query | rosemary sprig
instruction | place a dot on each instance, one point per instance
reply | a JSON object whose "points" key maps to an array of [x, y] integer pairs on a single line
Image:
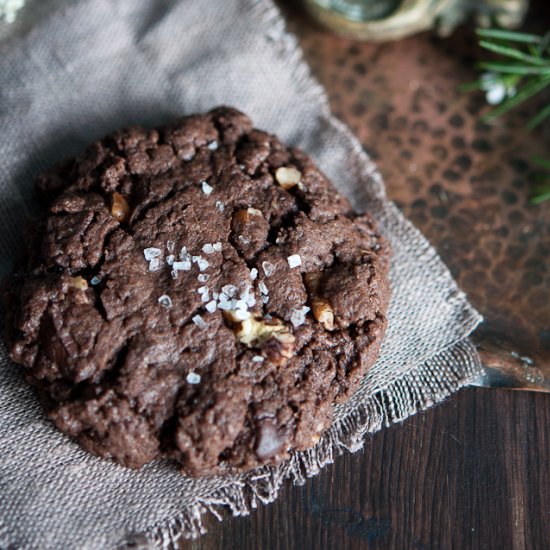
{"points": [[523, 71]]}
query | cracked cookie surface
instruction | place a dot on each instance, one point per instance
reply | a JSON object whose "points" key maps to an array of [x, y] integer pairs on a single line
{"points": [[199, 292]]}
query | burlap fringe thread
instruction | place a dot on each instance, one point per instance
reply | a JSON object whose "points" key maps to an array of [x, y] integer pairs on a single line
{"points": [[415, 392]]}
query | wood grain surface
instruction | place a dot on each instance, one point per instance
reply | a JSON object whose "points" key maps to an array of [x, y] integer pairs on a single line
{"points": [[473, 472]]}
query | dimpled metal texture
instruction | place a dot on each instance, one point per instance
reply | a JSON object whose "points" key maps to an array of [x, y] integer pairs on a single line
{"points": [[466, 184]]}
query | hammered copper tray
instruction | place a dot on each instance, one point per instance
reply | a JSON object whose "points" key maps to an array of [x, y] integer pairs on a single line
{"points": [[464, 183]]}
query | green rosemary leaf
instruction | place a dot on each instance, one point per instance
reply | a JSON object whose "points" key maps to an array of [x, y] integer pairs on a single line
{"points": [[512, 36], [529, 90], [538, 118], [514, 54], [507, 68], [541, 195]]}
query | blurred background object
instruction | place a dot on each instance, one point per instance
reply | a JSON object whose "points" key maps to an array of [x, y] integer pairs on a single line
{"points": [[381, 20], [9, 9]]}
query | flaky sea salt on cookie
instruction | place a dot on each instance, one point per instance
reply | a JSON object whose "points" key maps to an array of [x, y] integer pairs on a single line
{"points": [[200, 292]]}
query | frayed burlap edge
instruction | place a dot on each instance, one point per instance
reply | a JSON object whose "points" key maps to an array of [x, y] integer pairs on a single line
{"points": [[416, 391]]}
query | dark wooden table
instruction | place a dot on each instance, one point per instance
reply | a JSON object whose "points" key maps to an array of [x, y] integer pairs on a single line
{"points": [[475, 471]]}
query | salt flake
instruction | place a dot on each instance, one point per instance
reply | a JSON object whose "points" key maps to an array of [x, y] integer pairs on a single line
{"points": [[294, 261], [241, 314], [268, 268], [208, 249], [217, 247], [165, 301], [229, 290], [211, 306], [170, 259], [263, 288], [227, 306], [206, 189], [202, 278], [154, 264], [298, 316], [241, 304], [253, 273], [151, 253], [213, 145], [220, 206], [258, 359], [198, 320], [193, 378], [95, 280], [201, 262], [250, 300], [184, 265]]}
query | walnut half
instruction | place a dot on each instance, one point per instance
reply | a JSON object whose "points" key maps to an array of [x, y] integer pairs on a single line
{"points": [[272, 336], [320, 307], [287, 176], [120, 210], [322, 312]]}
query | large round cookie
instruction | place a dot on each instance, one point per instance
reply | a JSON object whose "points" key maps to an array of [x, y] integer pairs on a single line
{"points": [[199, 292]]}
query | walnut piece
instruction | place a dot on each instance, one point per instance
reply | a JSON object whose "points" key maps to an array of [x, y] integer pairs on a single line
{"points": [[287, 176], [272, 336], [320, 307], [120, 209], [79, 283], [322, 312], [243, 215]]}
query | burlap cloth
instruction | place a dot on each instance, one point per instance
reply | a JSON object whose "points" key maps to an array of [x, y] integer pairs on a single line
{"points": [[91, 66]]}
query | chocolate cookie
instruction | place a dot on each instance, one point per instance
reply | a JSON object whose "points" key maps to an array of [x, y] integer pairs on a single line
{"points": [[199, 292]]}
